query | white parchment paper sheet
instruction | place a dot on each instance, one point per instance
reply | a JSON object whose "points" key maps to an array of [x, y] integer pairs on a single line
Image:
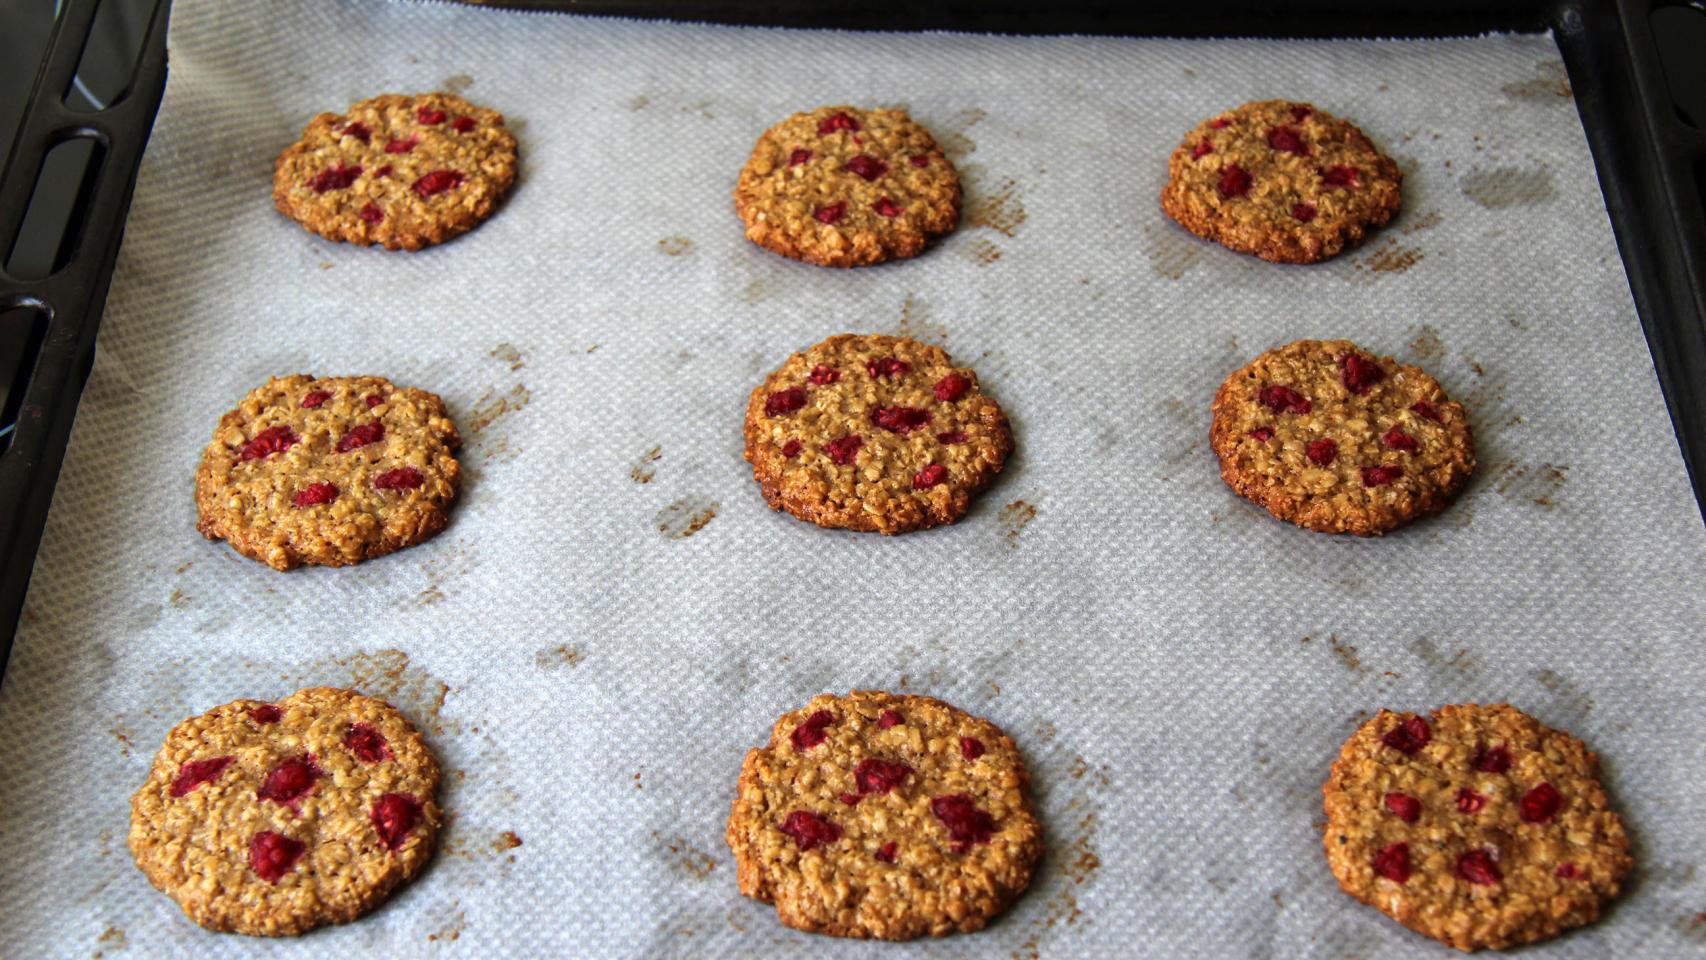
{"points": [[1179, 668]]}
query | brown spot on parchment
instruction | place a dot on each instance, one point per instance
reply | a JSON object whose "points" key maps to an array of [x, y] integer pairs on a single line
{"points": [[685, 517], [1347, 653], [1503, 187], [111, 941], [184, 566], [1423, 222], [675, 246], [1172, 252], [1538, 485], [952, 137], [1391, 258], [456, 83], [387, 675], [452, 928], [507, 353], [506, 841], [180, 599], [1000, 211], [1426, 346], [983, 253], [643, 471], [1551, 83], [684, 857], [1014, 517], [639, 102], [493, 405], [756, 291], [123, 734], [555, 658], [915, 322]]}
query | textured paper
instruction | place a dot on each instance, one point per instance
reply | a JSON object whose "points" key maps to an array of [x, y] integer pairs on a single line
{"points": [[614, 616]]}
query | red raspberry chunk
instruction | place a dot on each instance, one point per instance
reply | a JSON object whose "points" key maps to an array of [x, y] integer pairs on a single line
{"points": [[265, 713], [951, 437], [811, 733], [383, 172], [822, 375], [799, 156], [886, 207], [197, 772], [403, 146], [971, 748], [886, 852], [965, 822], [879, 776], [1399, 440], [290, 781], [361, 435], [830, 214], [1263, 434], [272, 855], [1409, 737], [851, 799], [1303, 212], [268, 442], [810, 830], [315, 494], [1539, 805], [886, 367], [887, 719], [402, 478], [373, 400], [1427, 411], [791, 449], [1281, 399], [1323, 451], [359, 130], [1381, 476], [431, 116], [784, 402], [867, 167], [1494, 760], [952, 387], [1393, 863], [837, 121], [395, 816], [1470, 802], [1202, 149], [1220, 123], [1567, 871], [843, 451], [930, 476], [370, 213], [919, 160], [434, 183], [462, 124], [1300, 114], [1234, 181], [367, 743], [1359, 373], [901, 420], [1477, 867], [1406, 807], [314, 398], [337, 177], [1287, 140], [1340, 176]]}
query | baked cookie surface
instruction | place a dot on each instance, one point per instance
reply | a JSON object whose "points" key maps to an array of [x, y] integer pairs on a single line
{"points": [[272, 819], [1281, 180], [1475, 825], [402, 171], [886, 816], [874, 433], [1333, 438], [845, 187], [329, 471]]}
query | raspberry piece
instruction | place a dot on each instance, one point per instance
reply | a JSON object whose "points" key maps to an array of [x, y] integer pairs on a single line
{"points": [[1281, 399], [886, 207], [383, 172], [930, 476], [358, 130], [1234, 181], [1407, 808], [395, 815], [919, 160], [879, 776], [951, 437], [268, 442], [372, 214], [965, 822], [821, 375], [315, 494], [791, 449], [784, 401], [273, 854], [402, 478], [462, 124], [1409, 737], [1323, 451], [1287, 140], [197, 772], [1219, 123], [867, 167], [431, 116], [971, 748], [290, 781], [887, 719], [1495, 760], [361, 435], [1359, 373], [843, 451], [334, 178], [810, 733], [1393, 863], [799, 156], [1399, 440], [1202, 149], [886, 367], [367, 743], [810, 830], [1427, 411], [834, 122], [265, 713], [373, 400], [434, 183], [313, 400], [831, 213], [403, 146], [851, 799], [1263, 434], [1477, 867], [1468, 801], [1300, 114], [1567, 871], [886, 852], [1380, 476], [1538, 805], [901, 420], [952, 387], [1340, 176], [1303, 212]]}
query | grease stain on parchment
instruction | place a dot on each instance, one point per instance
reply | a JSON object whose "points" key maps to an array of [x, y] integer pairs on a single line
{"points": [[559, 657], [1389, 257], [452, 928], [685, 517], [983, 253], [1001, 210], [1172, 252], [1426, 221], [458, 82], [507, 353], [675, 246], [952, 138], [111, 941], [1014, 518], [505, 842], [493, 406], [643, 470], [1550, 84], [1427, 344], [684, 858], [1503, 187], [1462, 662], [915, 322], [387, 675], [1539, 485]]}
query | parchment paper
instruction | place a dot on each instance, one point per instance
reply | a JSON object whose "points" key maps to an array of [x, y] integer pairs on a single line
{"points": [[614, 616]]}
